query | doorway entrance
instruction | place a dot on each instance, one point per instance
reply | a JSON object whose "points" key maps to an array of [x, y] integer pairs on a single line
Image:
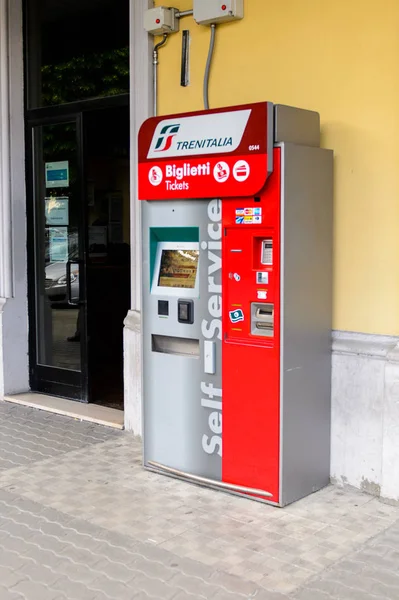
{"points": [[79, 248]]}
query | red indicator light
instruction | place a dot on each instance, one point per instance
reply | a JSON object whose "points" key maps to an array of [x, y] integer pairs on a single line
{"points": [[224, 7], [158, 21]]}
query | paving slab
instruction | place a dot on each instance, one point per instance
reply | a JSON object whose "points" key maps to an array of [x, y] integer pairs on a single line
{"points": [[80, 519]]}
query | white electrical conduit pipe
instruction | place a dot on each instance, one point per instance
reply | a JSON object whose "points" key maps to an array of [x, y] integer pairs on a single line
{"points": [[208, 66], [184, 13], [155, 63]]}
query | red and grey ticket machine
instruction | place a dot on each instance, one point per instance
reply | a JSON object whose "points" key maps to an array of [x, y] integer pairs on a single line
{"points": [[237, 294]]}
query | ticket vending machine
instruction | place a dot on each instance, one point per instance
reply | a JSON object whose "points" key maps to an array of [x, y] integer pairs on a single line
{"points": [[237, 293]]}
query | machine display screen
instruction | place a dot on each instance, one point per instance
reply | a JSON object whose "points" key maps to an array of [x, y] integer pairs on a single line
{"points": [[178, 268]]}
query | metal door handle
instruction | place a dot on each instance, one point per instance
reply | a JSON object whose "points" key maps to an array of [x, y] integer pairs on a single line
{"points": [[68, 283]]}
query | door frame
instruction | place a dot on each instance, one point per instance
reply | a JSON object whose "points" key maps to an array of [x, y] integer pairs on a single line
{"points": [[46, 379], [14, 364], [72, 384]]}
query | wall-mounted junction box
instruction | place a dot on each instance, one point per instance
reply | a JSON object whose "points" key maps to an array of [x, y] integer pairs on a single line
{"points": [[207, 12], [161, 20]]}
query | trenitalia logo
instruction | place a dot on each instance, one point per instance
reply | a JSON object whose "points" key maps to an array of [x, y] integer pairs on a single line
{"points": [[165, 140], [217, 133]]}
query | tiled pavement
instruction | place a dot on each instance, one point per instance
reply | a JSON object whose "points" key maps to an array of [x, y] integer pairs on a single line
{"points": [[81, 520]]}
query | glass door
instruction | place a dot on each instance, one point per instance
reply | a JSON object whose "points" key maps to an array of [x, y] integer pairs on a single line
{"points": [[57, 267]]}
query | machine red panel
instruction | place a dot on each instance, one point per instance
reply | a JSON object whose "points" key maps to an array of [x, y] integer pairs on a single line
{"points": [[251, 340], [207, 154]]}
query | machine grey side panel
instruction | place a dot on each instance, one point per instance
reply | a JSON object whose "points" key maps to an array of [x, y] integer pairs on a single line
{"points": [[270, 137], [296, 125], [175, 420], [307, 221]]}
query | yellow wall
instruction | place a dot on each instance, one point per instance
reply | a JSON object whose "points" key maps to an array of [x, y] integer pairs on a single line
{"points": [[341, 58]]}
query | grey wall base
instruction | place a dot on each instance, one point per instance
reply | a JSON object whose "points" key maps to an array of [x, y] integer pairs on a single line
{"points": [[365, 413], [364, 409]]}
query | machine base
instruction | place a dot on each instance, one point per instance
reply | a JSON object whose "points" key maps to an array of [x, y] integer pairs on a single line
{"points": [[209, 483]]}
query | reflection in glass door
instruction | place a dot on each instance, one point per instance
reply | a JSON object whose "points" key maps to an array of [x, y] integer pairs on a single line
{"points": [[59, 290]]}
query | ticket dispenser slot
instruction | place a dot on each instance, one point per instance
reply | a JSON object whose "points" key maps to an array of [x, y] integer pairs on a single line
{"points": [[167, 344], [262, 319]]}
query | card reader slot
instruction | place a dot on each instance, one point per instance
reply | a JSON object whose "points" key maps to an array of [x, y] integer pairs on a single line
{"points": [[166, 344]]}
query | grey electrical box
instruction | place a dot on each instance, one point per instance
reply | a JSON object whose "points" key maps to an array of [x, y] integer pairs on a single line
{"points": [[207, 12], [160, 20]]}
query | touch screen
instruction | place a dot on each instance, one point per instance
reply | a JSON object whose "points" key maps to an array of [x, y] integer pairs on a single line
{"points": [[178, 268]]}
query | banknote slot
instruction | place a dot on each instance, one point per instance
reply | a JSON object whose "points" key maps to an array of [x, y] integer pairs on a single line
{"points": [[264, 313], [262, 319]]}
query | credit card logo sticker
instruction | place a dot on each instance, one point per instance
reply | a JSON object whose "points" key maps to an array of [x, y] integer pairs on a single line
{"points": [[241, 170], [249, 215], [236, 315]]}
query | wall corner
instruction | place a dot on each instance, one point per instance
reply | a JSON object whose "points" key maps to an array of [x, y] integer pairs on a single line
{"points": [[133, 372]]}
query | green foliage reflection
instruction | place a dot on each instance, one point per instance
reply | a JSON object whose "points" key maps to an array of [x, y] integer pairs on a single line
{"points": [[89, 76]]}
